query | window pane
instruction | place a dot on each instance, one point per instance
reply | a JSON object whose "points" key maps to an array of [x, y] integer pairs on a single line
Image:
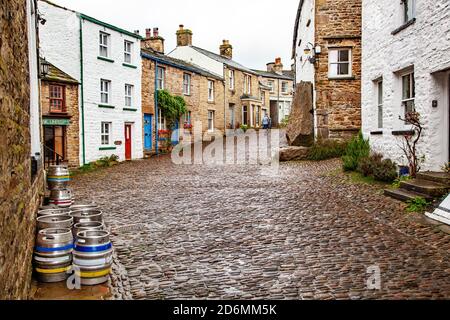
{"points": [[380, 93], [343, 69], [409, 106], [380, 116], [406, 87], [332, 56], [344, 55]]}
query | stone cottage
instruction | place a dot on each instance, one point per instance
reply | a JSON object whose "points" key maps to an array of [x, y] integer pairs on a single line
{"points": [[243, 99], [60, 118], [406, 67], [21, 171], [327, 56], [106, 61], [281, 89], [202, 91]]}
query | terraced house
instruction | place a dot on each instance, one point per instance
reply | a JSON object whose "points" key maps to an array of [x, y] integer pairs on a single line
{"points": [[106, 61], [202, 91], [245, 99]]}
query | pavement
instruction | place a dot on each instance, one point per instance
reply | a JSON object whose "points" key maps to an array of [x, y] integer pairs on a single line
{"points": [[230, 232]]}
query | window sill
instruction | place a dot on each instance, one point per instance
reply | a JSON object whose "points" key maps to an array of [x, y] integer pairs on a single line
{"points": [[105, 106], [186, 94], [130, 109], [342, 78], [403, 133], [211, 102], [377, 133], [107, 148], [129, 65], [105, 59], [404, 26]]}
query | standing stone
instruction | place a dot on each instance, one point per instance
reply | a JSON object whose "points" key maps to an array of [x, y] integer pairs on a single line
{"points": [[300, 130]]}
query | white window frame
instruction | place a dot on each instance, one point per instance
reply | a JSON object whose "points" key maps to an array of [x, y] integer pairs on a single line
{"points": [[283, 88], [247, 84], [243, 115], [104, 37], [211, 120], [162, 123], [129, 92], [161, 78], [263, 97], [186, 84], [258, 116], [408, 10], [188, 117], [128, 51], [106, 133], [105, 91], [210, 90], [380, 100], [349, 62], [271, 84], [231, 76], [412, 91]]}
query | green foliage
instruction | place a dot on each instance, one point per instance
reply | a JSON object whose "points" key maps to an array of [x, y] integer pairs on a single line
{"points": [[324, 149], [284, 123], [367, 165], [418, 204], [104, 162], [244, 127], [385, 171], [357, 149], [172, 107], [397, 182], [446, 167]]}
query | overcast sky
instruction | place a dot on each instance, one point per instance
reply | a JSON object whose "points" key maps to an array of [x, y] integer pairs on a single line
{"points": [[259, 30]]}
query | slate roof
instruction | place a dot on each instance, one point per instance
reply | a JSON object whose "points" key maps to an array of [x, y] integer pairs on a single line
{"points": [[57, 75], [229, 62], [287, 74], [177, 63]]}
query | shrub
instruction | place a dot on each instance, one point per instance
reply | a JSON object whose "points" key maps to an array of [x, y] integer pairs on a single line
{"points": [[367, 165], [418, 204], [446, 167], [357, 149], [244, 127], [385, 171], [326, 149], [397, 182]]}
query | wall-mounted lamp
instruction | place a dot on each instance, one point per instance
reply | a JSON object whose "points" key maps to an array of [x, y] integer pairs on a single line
{"points": [[44, 67], [312, 50]]}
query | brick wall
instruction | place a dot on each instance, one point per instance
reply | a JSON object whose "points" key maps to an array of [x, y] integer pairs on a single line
{"points": [[73, 130], [19, 196], [338, 24]]}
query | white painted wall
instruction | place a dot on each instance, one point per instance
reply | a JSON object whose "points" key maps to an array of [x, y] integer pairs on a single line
{"points": [[188, 54], [35, 126], [425, 46], [60, 42]]}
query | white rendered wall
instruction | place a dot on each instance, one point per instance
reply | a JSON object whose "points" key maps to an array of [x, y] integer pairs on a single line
{"points": [[191, 55], [425, 46]]}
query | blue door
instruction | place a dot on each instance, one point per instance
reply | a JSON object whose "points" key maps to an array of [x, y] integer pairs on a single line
{"points": [[175, 133], [148, 139]]}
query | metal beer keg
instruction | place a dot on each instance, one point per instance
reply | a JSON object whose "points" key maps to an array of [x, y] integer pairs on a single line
{"points": [[54, 222], [53, 254], [87, 226], [91, 215], [54, 212], [61, 198], [92, 257], [58, 177]]}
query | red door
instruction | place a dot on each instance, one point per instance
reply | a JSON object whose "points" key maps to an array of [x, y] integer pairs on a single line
{"points": [[128, 141]]}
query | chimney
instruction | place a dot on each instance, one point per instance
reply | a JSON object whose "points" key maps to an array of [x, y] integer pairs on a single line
{"points": [[184, 37], [226, 49], [278, 66], [270, 66], [154, 42]]}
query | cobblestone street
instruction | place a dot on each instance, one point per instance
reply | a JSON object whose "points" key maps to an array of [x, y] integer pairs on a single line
{"points": [[198, 232]]}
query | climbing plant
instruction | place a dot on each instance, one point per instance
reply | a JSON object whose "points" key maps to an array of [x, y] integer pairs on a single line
{"points": [[172, 107], [411, 140]]}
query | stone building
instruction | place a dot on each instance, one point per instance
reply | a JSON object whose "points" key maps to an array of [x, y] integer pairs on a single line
{"points": [[281, 88], [60, 118], [106, 61], [202, 91], [21, 168], [327, 54], [244, 94], [406, 67]]}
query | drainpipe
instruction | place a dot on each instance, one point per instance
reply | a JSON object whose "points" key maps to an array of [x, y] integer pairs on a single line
{"points": [[278, 103], [156, 108], [82, 91], [224, 99]]}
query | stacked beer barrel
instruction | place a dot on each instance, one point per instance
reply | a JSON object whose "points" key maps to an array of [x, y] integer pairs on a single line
{"points": [[70, 237]]}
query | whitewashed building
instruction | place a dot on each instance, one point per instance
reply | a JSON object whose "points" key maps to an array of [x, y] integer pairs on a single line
{"points": [[406, 66], [106, 61]]}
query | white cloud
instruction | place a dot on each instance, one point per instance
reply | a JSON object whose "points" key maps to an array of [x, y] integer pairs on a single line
{"points": [[259, 30]]}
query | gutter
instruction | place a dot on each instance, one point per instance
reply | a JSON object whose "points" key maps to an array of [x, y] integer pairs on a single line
{"points": [[83, 139]]}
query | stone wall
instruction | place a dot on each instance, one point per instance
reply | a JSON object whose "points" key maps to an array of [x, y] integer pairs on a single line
{"points": [[19, 193], [338, 101], [73, 132]]}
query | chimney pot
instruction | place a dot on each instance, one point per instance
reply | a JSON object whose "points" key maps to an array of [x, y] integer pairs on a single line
{"points": [[155, 32], [148, 33]]}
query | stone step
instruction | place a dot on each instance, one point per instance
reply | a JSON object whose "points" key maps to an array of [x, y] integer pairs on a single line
{"points": [[439, 177], [428, 187], [405, 195]]}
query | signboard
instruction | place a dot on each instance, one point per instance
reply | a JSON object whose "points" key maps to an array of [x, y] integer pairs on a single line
{"points": [[55, 122], [118, 143]]}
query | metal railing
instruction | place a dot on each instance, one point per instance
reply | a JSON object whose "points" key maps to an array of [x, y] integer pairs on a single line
{"points": [[51, 157]]}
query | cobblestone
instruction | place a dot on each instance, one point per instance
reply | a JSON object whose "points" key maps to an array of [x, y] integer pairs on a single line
{"points": [[211, 232]]}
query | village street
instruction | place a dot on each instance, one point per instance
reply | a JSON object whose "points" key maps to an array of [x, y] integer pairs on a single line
{"points": [[188, 232]]}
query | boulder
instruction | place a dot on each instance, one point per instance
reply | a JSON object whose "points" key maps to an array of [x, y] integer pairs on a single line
{"points": [[300, 130], [293, 153]]}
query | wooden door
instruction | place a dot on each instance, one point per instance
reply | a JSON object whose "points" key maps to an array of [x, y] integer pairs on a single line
{"points": [[128, 141], [148, 132]]}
